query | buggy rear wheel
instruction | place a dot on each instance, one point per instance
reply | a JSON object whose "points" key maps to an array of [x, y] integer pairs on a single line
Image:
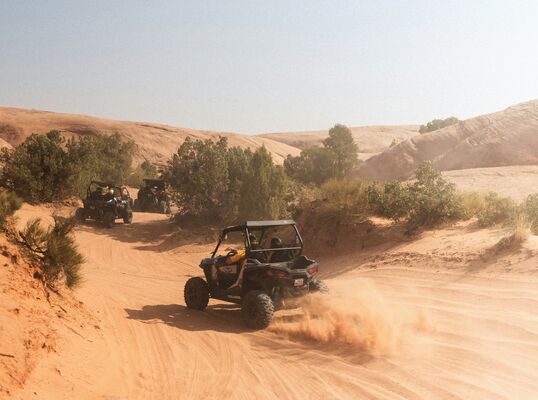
{"points": [[196, 293], [109, 219], [319, 286], [257, 309], [136, 205]]}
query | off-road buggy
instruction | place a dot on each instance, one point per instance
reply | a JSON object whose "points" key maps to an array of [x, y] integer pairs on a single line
{"points": [[153, 197], [106, 202], [262, 268]]}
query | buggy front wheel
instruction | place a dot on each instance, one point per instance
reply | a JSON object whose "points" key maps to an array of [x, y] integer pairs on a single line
{"points": [[109, 219], [196, 293], [127, 217]]}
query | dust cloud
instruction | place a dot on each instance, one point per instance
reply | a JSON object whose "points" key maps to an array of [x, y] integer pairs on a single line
{"points": [[359, 316]]}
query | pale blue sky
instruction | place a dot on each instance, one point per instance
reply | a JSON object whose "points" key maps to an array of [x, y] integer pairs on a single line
{"points": [[255, 66]]}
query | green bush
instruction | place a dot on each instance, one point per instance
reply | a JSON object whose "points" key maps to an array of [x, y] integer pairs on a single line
{"points": [[344, 197], [263, 189], [38, 169], [55, 251], [496, 210], [531, 209], [428, 201], [335, 159], [45, 168], [9, 203], [146, 170], [436, 124], [434, 199], [213, 182], [392, 200], [104, 158]]}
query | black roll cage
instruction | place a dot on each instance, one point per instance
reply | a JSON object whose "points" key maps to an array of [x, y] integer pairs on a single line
{"points": [[117, 189], [263, 226]]}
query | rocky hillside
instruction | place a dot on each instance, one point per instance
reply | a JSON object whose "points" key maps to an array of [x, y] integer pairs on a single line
{"points": [[156, 142], [504, 138]]}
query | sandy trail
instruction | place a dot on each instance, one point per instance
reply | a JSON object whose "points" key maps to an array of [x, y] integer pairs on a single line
{"points": [[459, 335]]}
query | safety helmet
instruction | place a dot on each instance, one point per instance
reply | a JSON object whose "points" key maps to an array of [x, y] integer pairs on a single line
{"points": [[276, 243]]}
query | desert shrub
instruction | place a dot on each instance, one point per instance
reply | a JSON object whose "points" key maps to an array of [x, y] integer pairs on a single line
{"points": [[45, 168], [436, 124], [428, 201], [146, 170], [391, 200], [472, 203], [213, 182], [344, 197], [105, 158], [335, 159], [531, 209], [264, 187], [9, 203], [55, 252], [198, 176], [434, 199], [496, 210], [37, 170]]}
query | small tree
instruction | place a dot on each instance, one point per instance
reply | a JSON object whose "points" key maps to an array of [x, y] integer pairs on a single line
{"points": [[213, 182], [45, 168], [335, 159], [343, 148], [263, 193], [314, 165], [436, 124], [198, 175], [37, 170], [99, 157], [54, 250], [146, 170], [434, 199]]}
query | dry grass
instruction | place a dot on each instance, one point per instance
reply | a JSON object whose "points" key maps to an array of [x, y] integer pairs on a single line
{"points": [[518, 235]]}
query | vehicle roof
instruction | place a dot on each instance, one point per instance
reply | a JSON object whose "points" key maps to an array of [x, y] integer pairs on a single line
{"points": [[101, 183], [154, 182], [258, 224]]}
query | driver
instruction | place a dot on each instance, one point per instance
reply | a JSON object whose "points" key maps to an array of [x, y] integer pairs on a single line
{"points": [[109, 194], [278, 255]]}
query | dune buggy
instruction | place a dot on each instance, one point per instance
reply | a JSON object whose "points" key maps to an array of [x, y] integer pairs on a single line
{"points": [[153, 197], [262, 268], [106, 202]]}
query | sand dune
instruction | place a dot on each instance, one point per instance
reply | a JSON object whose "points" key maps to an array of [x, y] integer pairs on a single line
{"points": [[429, 318], [370, 139], [516, 182], [156, 142], [500, 139]]}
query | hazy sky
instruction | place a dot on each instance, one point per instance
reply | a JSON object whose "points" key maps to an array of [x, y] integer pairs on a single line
{"points": [[253, 66]]}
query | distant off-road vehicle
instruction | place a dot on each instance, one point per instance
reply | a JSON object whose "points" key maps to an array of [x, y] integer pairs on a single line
{"points": [[106, 202], [153, 197], [262, 268]]}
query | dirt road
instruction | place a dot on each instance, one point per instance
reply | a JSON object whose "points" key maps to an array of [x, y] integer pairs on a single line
{"points": [[404, 329]]}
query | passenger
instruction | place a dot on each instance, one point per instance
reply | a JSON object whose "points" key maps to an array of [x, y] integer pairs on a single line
{"points": [[276, 255], [254, 245]]}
